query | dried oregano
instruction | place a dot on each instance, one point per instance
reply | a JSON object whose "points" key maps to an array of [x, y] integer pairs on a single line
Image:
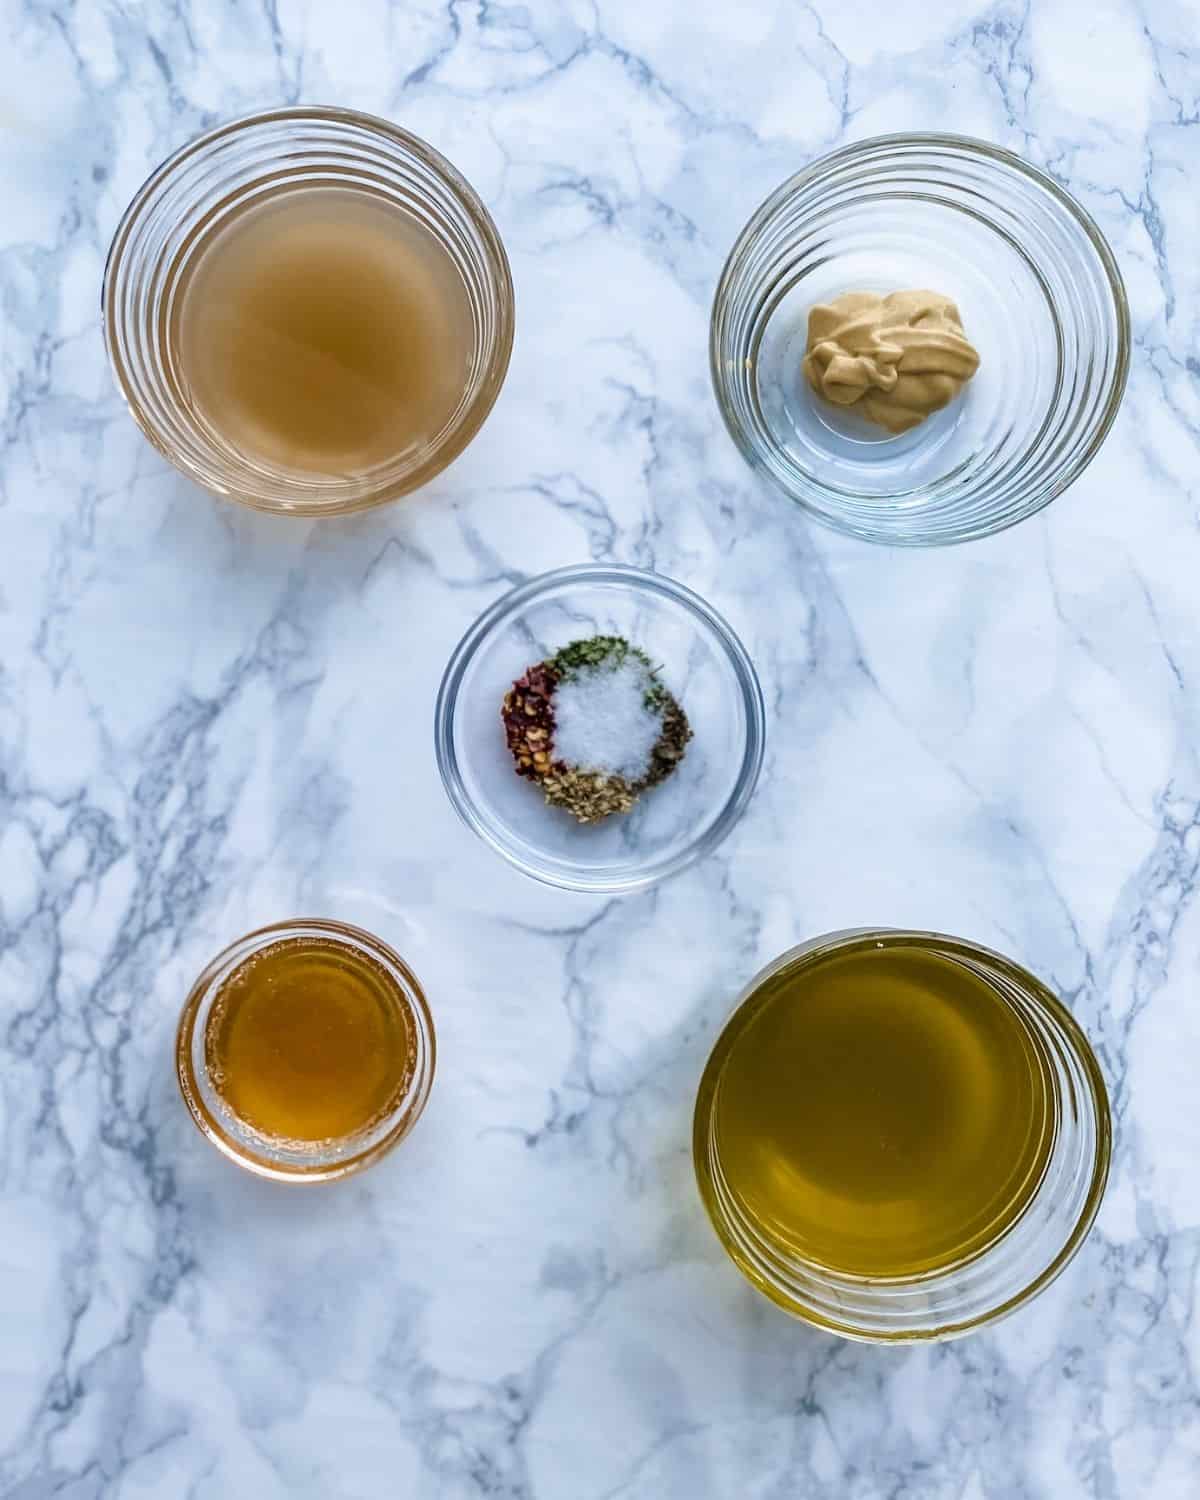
{"points": [[596, 651]]}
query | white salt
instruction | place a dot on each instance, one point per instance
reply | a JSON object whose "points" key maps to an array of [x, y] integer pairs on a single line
{"points": [[601, 722]]}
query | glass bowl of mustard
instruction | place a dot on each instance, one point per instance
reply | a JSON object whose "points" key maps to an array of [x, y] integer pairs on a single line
{"points": [[305, 1050], [900, 1136], [1023, 272]]}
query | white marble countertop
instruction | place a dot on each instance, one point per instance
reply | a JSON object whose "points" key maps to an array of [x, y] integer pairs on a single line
{"points": [[210, 719]]}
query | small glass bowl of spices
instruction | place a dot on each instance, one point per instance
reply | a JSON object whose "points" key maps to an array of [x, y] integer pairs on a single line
{"points": [[601, 727], [305, 1050]]}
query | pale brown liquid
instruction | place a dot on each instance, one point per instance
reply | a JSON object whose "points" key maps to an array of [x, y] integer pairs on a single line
{"points": [[310, 1039], [325, 331]]}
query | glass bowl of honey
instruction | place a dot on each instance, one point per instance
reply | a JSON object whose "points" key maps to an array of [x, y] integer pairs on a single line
{"points": [[900, 1135], [306, 1050], [692, 651], [308, 310]]}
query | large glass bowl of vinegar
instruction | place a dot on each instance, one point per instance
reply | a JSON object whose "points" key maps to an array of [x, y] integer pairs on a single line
{"points": [[308, 310], [900, 1135]]}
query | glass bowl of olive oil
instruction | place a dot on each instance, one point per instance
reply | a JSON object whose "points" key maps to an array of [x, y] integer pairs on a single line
{"points": [[900, 1135], [305, 1050]]}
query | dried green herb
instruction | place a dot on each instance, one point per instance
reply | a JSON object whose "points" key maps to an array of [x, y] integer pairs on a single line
{"points": [[596, 651]]}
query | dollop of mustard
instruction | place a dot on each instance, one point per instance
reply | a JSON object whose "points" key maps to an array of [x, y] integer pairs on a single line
{"points": [[899, 357]]}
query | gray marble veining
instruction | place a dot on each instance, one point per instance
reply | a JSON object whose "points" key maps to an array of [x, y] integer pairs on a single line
{"points": [[209, 720]]}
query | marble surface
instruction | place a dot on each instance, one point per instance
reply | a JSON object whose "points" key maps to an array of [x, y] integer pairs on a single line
{"points": [[209, 720]]}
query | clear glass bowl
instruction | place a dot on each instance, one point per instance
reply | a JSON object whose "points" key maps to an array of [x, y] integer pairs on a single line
{"points": [[307, 1161], [1040, 297], [191, 196], [1005, 1273], [703, 663]]}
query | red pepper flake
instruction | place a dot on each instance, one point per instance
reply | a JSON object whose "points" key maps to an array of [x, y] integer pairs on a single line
{"points": [[529, 721]]}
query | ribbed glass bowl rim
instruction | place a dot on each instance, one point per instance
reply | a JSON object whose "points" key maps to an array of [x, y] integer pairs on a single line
{"points": [[407, 1112], [864, 151], [452, 179], [816, 948], [635, 580]]}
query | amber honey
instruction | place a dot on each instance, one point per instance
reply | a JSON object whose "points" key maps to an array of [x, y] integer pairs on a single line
{"points": [[324, 330], [881, 1111], [309, 1039]]}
